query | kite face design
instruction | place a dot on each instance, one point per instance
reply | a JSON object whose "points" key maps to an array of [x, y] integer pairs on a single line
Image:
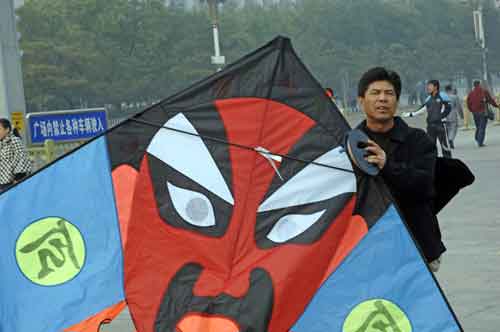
{"points": [[222, 232], [237, 216]]}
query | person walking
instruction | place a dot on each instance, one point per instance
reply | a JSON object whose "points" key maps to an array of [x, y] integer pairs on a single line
{"points": [[452, 118], [437, 105], [14, 161], [477, 102], [406, 157]]}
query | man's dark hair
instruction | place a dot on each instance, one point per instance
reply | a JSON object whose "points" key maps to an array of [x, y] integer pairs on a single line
{"points": [[435, 83], [379, 74], [477, 83], [448, 88]]}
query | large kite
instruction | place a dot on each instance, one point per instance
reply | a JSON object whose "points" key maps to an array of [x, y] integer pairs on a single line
{"points": [[239, 211]]}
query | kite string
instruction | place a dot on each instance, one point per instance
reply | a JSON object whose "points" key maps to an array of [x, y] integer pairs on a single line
{"points": [[241, 146]]}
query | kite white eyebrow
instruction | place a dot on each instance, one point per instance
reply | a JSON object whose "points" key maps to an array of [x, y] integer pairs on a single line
{"points": [[292, 225], [189, 155], [314, 183]]}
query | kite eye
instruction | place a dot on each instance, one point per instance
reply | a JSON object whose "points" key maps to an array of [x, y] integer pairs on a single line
{"points": [[292, 225], [195, 208]]}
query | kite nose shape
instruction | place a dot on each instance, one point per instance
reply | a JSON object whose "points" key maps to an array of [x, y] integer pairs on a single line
{"points": [[199, 323]]}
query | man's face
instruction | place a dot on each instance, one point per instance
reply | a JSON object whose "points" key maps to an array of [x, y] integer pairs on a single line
{"points": [[379, 102], [431, 88]]}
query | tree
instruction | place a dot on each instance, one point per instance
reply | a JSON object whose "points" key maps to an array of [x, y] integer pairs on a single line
{"points": [[135, 52]]}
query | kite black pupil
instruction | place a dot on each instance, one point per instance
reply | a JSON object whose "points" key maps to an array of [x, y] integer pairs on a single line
{"points": [[197, 209]]}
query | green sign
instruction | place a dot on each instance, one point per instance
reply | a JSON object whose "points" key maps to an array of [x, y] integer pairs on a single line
{"points": [[377, 316], [50, 251]]}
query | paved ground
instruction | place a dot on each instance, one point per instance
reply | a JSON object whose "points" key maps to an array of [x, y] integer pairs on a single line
{"points": [[471, 228], [470, 273]]}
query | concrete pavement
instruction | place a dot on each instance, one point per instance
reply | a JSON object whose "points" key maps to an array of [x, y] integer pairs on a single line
{"points": [[470, 275], [470, 272]]}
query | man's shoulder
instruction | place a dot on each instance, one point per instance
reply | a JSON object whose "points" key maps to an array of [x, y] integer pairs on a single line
{"points": [[414, 131], [411, 134], [421, 140], [401, 129], [475, 92]]}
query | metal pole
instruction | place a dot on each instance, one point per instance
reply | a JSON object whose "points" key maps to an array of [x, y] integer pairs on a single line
{"points": [[467, 115], [12, 102], [216, 40], [485, 66], [481, 38], [4, 104], [217, 59]]}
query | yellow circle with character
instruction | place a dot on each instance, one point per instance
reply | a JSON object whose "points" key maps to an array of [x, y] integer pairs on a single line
{"points": [[50, 251], [375, 316]]}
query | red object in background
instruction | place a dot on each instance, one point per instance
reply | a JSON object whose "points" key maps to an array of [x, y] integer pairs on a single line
{"points": [[329, 92]]}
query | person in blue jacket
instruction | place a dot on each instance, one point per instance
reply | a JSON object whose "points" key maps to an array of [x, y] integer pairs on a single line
{"points": [[438, 106]]}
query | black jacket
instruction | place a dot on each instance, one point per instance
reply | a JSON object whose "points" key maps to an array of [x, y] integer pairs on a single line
{"points": [[434, 105], [409, 174]]}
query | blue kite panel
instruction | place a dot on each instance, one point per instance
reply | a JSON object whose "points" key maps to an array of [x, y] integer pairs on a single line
{"points": [[383, 272], [61, 256]]}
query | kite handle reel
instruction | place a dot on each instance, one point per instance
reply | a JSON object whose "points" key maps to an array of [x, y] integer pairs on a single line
{"points": [[355, 143]]}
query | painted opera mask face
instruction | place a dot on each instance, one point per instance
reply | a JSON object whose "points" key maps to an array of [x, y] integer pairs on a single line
{"points": [[238, 240]]}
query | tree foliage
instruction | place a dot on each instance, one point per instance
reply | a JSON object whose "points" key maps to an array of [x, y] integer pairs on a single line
{"points": [[119, 52]]}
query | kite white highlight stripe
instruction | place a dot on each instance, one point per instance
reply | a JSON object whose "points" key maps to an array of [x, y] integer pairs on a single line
{"points": [[315, 183], [189, 155], [292, 225]]}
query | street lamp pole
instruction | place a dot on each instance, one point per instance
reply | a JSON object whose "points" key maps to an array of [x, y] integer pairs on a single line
{"points": [[484, 49], [480, 37], [217, 58], [12, 100]]}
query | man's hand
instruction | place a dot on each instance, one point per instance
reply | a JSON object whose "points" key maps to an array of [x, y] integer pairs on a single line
{"points": [[375, 154]]}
